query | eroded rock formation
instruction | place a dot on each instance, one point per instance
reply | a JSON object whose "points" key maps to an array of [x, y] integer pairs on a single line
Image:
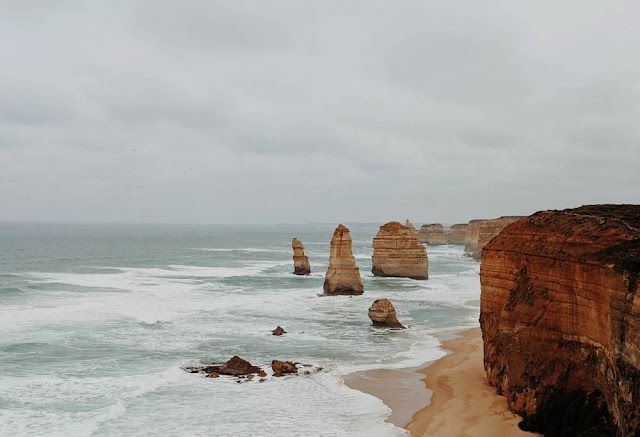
{"points": [[278, 331], [471, 236], [456, 234], [432, 234], [236, 366], [489, 229], [343, 277], [281, 368], [398, 253], [383, 314], [301, 264], [560, 317]]}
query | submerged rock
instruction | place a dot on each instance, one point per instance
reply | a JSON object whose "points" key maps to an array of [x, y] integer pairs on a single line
{"points": [[278, 331], [398, 253], [383, 314], [343, 277], [301, 264]]}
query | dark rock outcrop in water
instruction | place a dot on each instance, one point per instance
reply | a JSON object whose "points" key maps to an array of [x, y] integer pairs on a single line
{"points": [[343, 277], [278, 331], [236, 366], [398, 253], [560, 318], [301, 264], [432, 234], [281, 368], [383, 314]]}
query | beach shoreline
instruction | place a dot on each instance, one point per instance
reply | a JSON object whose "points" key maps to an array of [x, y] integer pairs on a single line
{"points": [[446, 397]]}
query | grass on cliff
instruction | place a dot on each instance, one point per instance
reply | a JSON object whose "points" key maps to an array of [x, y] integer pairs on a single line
{"points": [[626, 212]]}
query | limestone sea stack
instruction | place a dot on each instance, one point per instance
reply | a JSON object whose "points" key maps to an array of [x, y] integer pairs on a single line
{"points": [[343, 277], [432, 234], [489, 229], [456, 234], [398, 253], [301, 264], [560, 319], [471, 236], [383, 314]]}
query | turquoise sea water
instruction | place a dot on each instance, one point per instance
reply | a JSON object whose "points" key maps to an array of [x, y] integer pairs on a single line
{"points": [[97, 320]]}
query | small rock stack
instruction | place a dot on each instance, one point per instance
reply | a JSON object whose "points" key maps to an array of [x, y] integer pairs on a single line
{"points": [[301, 264]]}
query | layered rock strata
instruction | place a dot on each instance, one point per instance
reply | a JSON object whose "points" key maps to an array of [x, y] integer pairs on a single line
{"points": [[471, 235], [398, 253], [343, 277], [301, 264], [432, 234], [383, 314], [560, 317], [456, 234], [489, 229]]}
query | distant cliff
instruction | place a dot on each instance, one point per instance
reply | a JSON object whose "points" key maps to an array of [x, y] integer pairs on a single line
{"points": [[560, 317], [457, 234], [487, 229], [432, 234]]}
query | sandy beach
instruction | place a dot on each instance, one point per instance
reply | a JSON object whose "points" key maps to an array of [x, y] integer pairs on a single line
{"points": [[457, 401]]}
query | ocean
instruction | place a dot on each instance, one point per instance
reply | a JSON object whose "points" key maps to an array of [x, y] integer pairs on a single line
{"points": [[97, 321]]}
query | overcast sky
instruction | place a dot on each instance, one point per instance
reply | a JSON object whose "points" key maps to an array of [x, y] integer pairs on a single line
{"points": [[316, 111]]}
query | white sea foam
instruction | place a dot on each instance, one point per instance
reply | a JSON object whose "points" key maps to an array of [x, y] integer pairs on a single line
{"points": [[110, 343]]}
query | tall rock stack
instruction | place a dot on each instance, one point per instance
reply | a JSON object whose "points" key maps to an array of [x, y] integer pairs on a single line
{"points": [[560, 319], [456, 234], [471, 235], [489, 229], [301, 264], [398, 253], [343, 277], [432, 234]]}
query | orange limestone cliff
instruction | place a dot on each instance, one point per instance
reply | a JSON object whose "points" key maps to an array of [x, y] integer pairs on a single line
{"points": [[397, 252], [560, 319], [343, 277], [301, 264], [457, 234], [432, 234], [489, 229]]}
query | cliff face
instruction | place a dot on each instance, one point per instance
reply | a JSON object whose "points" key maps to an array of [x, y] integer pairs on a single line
{"points": [[488, 229], [457, 234], [471, 235], [432, 234], [301, 264], [343, 277], [560, 317], [397, 252]]}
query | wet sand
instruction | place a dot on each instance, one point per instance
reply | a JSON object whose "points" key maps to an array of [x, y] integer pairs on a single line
{"points": [[457, 400]]}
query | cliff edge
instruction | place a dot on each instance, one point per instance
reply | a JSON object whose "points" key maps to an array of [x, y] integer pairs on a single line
{"points": [[560, 318]]}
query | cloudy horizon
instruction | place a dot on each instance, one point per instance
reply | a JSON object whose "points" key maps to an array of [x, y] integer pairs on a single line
{"points": [[315, 112]]}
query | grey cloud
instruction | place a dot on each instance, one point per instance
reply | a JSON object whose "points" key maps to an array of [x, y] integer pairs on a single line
{"points": [[309, 111]]}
